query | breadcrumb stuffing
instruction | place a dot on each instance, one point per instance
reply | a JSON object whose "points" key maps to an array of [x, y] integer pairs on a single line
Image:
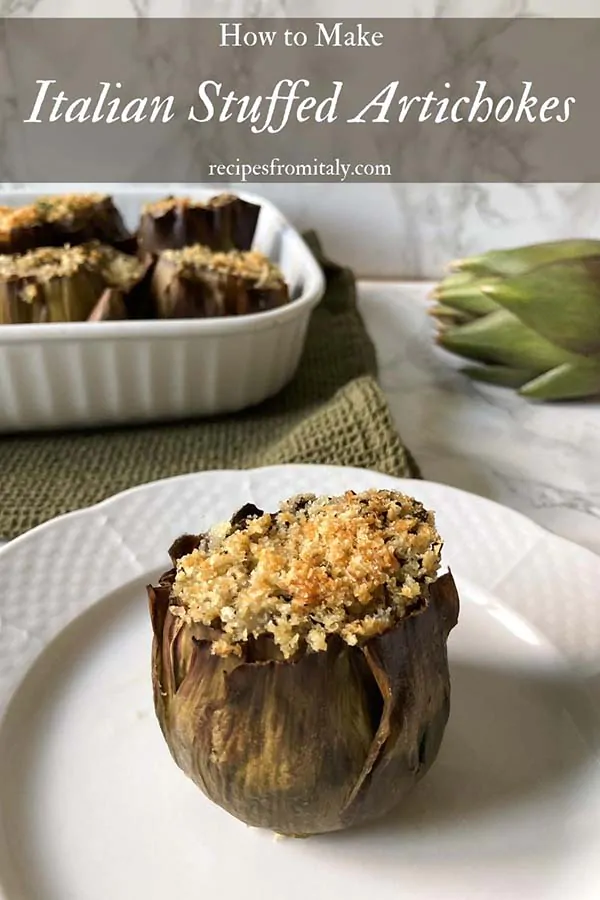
{"points": [[68, 206], [197, 260], [12, 218], [46, 263], [166, 204], [51, 209], [352, 566]]}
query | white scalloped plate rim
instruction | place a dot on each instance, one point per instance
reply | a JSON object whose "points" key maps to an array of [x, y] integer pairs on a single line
{"points": [[54, 573]]}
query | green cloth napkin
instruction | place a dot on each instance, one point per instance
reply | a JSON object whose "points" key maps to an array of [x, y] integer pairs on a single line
{"points": [[332, 413]]}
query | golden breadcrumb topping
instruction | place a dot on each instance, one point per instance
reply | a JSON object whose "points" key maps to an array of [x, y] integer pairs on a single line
{"points": [[12, 218], [166, 204], [197, 261], [45, 263], [352, 565], [222, 200], [49, 209], [66, 206]]}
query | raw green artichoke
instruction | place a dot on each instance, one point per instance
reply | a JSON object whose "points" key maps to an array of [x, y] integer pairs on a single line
{"points": [[311, 744], [529, 316]]}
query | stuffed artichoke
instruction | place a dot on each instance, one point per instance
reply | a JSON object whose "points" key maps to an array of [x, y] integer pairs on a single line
{"points": [[195, 282], [64, 219], [68, 284], [224, 222], [299, 658]]}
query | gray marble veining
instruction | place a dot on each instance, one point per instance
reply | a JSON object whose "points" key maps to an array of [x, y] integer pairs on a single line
{"points": [[307, 8]]}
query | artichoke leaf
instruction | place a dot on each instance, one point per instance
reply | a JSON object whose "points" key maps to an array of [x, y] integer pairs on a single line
{"points": [[19, 309], [162, 675], [60, 299], [468, 299], [447, 317], [314, 744], [501, 338], [456, 282], [520, 260], [413, 721], [571, 381], [110, 307], [252, 735], [503, 376], [72, 298], [560, 301], [226, 222]]}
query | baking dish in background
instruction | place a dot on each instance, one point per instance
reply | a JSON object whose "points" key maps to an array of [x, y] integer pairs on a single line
{"points": [[85, 374]]}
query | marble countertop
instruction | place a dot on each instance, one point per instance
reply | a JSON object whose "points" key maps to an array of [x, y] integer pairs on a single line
{"points": [[540, 459]]}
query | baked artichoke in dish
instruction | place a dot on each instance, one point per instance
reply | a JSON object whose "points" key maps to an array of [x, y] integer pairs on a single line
{"points": [[224, 222], [64, 219], [66, 284], [196, 282], [299, 658]]}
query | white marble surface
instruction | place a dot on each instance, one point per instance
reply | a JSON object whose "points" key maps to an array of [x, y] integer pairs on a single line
{"points": [[541, 459], [301, 8]]}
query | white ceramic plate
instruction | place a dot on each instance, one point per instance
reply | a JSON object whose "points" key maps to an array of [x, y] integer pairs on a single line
{"points": [[93, 808]]}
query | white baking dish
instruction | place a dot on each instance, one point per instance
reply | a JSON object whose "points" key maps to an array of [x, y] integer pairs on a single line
{"points": [[87, 374]]}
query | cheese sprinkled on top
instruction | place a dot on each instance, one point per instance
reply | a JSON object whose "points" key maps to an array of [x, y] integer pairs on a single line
{"points": [[352, 565]]}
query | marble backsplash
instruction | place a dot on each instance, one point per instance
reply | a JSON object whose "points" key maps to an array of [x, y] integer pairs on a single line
{"points": [[307, 8], [397, 230]]}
